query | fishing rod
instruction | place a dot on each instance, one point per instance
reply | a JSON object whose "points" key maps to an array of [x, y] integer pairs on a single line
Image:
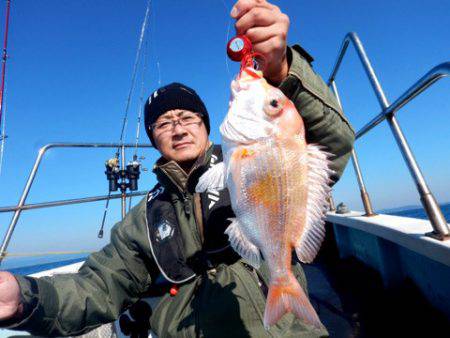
{"points": [[3, 137], [4, 57], [119, 174], [2, 86], [136, 159]]}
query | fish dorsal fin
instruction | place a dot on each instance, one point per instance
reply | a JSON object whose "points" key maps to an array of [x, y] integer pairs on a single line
{"points": [[317, 204], [242, 245], [212, 179]]}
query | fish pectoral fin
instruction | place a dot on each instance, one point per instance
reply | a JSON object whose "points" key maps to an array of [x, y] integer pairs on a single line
{"points": [[317, 204], [212, 179], [242, 245]]}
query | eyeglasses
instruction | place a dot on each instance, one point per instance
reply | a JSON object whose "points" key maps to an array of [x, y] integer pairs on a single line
{"points": [[184, 120]]}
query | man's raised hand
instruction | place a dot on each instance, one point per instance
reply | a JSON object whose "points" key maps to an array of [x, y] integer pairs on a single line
{"points": [[266, 27]]}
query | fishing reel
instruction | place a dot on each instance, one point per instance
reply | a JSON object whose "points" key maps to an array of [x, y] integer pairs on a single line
{"points": [[112, 173], [133, 172], [128, 177], [120, 178]]}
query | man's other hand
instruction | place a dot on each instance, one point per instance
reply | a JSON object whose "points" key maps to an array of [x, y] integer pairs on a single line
{"points": [[266, 27], [9, 296]]}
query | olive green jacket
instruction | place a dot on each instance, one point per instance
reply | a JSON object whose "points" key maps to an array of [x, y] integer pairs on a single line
{"points": [[226, 301]]}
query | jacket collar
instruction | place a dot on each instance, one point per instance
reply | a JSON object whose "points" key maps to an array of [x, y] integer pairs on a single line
{"points": [[170, 174]]}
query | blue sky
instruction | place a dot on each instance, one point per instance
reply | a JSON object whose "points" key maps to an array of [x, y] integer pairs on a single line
{"points": [[69, 75]]}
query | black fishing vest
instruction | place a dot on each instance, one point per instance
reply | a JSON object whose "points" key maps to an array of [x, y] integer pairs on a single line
{"points": [[166, 242]]}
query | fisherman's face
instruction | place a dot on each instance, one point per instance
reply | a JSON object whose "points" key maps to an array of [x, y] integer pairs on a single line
{"points": [[180, 135]]}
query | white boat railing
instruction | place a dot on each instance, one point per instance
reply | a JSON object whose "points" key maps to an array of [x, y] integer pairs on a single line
{"points": [[440, 227], [21, 206]]}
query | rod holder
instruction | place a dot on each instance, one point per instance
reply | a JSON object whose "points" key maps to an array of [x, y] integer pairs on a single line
{"points": [[331, 202], [367, 204], [437, 219]]}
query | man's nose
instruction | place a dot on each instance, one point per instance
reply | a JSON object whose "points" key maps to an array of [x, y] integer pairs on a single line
{"points": [[178, 128]]}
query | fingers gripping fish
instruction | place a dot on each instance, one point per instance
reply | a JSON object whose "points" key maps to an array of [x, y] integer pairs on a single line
{"points": [[278, 186]]}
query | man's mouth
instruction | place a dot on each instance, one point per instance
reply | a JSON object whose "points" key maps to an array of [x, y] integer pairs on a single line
{"points": [[181, 145]]}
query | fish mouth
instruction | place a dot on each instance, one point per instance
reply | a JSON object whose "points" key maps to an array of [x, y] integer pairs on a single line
{"points": [[232, 134], [245, 77], [250, 74]]}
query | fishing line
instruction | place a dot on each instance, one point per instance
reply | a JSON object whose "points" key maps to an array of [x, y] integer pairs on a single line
{"points": [[135, 69], [227, 12], [155, 42], [226, 57], [159, 74], [141, 100], [139, 118]]}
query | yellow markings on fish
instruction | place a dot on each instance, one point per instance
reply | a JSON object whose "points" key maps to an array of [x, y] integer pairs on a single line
{"points": [[243, 153], [261, 192], [247, 153]]}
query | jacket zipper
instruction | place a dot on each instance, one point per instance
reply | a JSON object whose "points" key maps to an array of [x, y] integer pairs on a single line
{"points": [[259, 280], [262, 284], [186, 206], [187, 210]]}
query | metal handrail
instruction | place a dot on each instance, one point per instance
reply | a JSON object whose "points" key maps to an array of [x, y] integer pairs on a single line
{"points": [[21, 205], [435, 74], [69, 201], [362, 186], [438, 222]]}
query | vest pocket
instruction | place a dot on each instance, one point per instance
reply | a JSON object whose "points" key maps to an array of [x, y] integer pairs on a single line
{"points": [[174, 315], [227, 306]]}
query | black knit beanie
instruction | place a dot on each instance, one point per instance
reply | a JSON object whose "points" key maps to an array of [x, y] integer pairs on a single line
{"points": [[172, 96]]}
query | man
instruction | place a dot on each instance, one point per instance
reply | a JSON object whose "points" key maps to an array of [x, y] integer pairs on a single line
{"points": [[172, 243]]}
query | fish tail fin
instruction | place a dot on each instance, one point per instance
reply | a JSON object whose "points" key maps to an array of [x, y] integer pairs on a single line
{"points": [[289, 297]]}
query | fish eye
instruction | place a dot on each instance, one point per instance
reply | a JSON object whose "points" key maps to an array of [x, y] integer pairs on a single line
{"points": [[274, 102]]}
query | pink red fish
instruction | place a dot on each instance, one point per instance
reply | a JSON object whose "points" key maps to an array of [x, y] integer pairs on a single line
{"points": [[278, 186]]}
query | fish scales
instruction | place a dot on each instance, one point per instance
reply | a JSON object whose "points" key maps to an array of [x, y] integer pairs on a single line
{"points": [[272, 200]]}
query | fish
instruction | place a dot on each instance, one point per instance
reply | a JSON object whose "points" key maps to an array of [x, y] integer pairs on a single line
{"points": [[278, 185]]}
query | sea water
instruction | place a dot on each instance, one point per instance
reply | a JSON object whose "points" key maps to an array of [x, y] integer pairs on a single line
{"points": [[419, 212], [29, 265]]}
